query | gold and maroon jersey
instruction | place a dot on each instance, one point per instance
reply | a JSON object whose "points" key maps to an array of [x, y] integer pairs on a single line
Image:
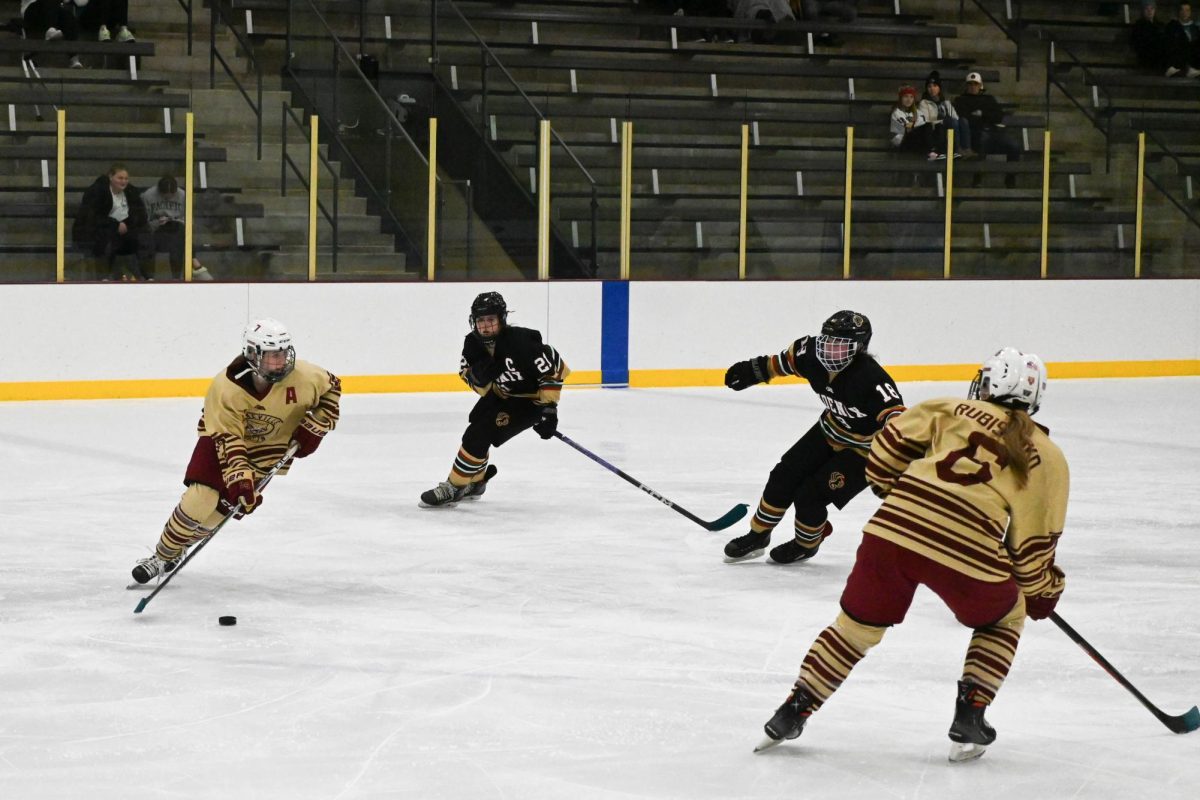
{"points": [[251, 431], [515, 364], [858, 400], [951, 497]]}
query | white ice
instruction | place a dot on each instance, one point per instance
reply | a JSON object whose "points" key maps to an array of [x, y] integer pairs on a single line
{"points": [[565, 636]]}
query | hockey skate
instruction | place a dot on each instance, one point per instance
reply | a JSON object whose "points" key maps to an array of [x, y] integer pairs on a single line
{"points": [[444, 494], [747, 546], [476, 490], [153, 567], [789, 719], [970, 732], [792, 550]]}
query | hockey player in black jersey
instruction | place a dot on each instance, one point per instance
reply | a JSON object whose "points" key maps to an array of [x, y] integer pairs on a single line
{"points": [[518, 378], [828, 463]]}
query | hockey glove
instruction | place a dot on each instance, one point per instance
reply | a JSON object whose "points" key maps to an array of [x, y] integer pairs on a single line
{"points": [[548, 424], [242, 498], [744, 374], [1040, 606], [308, 438], [484, 371]]}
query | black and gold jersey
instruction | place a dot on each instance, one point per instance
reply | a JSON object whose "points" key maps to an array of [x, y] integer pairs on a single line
{"points": [[858, 400], [515, 364]]}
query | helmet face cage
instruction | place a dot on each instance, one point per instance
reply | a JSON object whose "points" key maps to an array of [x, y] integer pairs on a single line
{"points": [[843, 336], [487, 304], [836, 352], [1011, 378], [268, 336]]}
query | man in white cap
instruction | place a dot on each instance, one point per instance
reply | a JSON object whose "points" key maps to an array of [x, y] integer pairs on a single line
{"points": [[986, 117]]}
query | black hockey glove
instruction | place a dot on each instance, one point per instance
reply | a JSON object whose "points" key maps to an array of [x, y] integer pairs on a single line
{"points": [[744, 374], [484, 371], [548, 424]]}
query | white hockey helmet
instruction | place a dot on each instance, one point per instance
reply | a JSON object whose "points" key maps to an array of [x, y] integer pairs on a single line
{"points": [[268, 336], [1011, 378]]}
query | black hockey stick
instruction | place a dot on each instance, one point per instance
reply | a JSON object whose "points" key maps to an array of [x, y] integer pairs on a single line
{"points": [[1183, 723], [721, 523], [258, 487]]}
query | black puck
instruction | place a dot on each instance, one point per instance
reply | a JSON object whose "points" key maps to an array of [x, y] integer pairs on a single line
{"points": [[227, 620]]}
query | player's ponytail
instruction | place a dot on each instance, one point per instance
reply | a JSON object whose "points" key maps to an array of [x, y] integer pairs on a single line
{"points": [[1018, 442]]}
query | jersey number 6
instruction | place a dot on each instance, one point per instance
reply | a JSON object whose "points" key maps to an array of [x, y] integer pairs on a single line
{"points": [[980, 469]]}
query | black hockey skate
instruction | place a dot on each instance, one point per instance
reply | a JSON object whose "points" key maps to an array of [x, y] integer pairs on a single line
{"points": [[477, 489], [789, 719], [970, 732], [747, 546], [793, 550], [153, 567], [444, 494]]}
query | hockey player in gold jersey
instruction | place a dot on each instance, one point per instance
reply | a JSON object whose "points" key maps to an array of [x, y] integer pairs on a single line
{"points": [[975, 497], [253, 411]]}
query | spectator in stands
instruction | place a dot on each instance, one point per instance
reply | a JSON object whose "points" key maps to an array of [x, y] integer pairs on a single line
{"points": [[942, 115], [112, 222], [106, 16], [51, 20], [1183, 44], [765, 10], [1148, 40], [164, 204], [988, 134], [909, 129]]}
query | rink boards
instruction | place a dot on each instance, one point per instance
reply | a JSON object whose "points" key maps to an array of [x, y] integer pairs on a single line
{"points": [[167, 340]]}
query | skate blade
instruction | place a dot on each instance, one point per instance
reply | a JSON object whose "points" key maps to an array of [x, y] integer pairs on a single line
{"points": [[966, 751], [451, 504], [747, 557], [767, 744], [148, 586]]}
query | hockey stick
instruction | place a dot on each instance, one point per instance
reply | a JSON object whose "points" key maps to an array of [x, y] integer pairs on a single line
{"points": [[1183, 723], [258, 487], [719, 524]]}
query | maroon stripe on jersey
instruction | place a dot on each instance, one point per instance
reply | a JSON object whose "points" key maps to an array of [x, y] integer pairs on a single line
{"points": [[911, 488], [880, 472], [882, 416], [1034, 549], [937, 510], [895, 441], [951, 545]]}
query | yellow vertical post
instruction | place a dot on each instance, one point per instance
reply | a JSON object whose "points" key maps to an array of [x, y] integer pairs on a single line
{"points": [[431, 221], [626, 196], [1141, 178], [189, 155], [949, 202], [1045, 201], [848, 202], [60, 200], [312, 197], [543, 191], [742, 202]]}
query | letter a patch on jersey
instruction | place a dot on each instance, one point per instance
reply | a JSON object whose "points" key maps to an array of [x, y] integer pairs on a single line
{"points": [[291, 395]]}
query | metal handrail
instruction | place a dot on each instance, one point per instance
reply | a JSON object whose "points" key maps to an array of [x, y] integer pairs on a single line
{"points": [[1105, 127], [186, 5], [218, 15], [286, 161], [488, 57], [1013, 34], [496, 60]]}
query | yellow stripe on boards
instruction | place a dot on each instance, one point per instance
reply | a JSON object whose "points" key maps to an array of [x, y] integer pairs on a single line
{"points": [[638, 378]]}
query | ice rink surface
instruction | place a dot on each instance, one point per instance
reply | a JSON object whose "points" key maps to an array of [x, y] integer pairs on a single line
{"points": [[564, 636]]}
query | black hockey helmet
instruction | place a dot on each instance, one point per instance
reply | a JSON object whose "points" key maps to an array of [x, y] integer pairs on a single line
{"points": [[843, 336], [486, 304]]}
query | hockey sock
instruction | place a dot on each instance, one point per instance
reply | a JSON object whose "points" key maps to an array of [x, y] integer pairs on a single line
{"points": [[834, 654], [809, 536], [766, 517], [467, 468], [991, 653]]}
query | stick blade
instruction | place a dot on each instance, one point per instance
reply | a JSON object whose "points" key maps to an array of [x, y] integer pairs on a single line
{"points": [[1185, 723], [141, 604], [731, 516]]}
